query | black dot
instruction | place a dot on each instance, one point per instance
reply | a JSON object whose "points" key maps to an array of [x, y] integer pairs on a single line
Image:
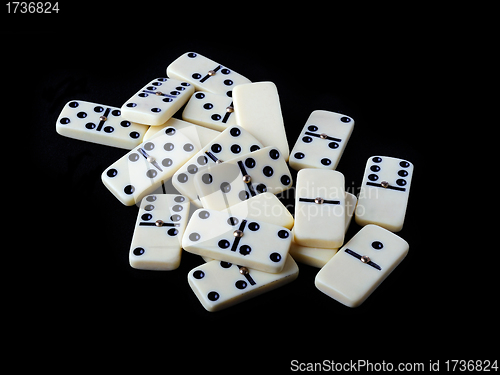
{"points": [[235, 132], [373, 177], [170, 131], [299, 155], [253, 226], [196, 75], [168, 146], [216, 148], [129, 189], [134, 135], [375, 168], [65, 121], [188, 147], [250, 162], [232, 221], [274, 154], [73, 104], [275, 257], [326, 161], [146, 217], [90, 125], [312, 128], [98, 109], [402, 173], [216, 117], [81, 114], [131, 105], [223, 244], [172, 232], [116, 112], [333, 145], [155, 110], [261, 188], [401, 182], [198, 274], [204, 214], [208, 105], [376, 159], [243, 195], [199, 95], [108, 129], [202, 160], [345, 119], [268, 171], [254, 148], [192, 168], [283, 234], [228, 82], [192, 55], [225, 264], [245, 250], [225, 71], [207, 178], [377, 245], [177, 208], [307, 139], [235, 149], [182, 178], [194, 236], [213, 296], [225, 187], [240, 284], [112, 172], [404, 164], [138, 251], [285, 180]]}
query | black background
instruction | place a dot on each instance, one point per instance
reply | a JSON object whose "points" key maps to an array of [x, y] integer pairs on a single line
{"points": [[71, 271]]}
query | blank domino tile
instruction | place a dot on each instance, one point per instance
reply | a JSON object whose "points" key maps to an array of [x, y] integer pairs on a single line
{"points": [[258, 110], [316, 256], [218, 284], [145, 167], [156, 243], [100, 124], [384, 192], [320, 208], [361, 265], [156, 102], [250, 243], [322, 141], [205, 74], [211, 110]]}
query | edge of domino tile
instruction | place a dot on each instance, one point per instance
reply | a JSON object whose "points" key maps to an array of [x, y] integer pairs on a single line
{"points": [[289, 267]]}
